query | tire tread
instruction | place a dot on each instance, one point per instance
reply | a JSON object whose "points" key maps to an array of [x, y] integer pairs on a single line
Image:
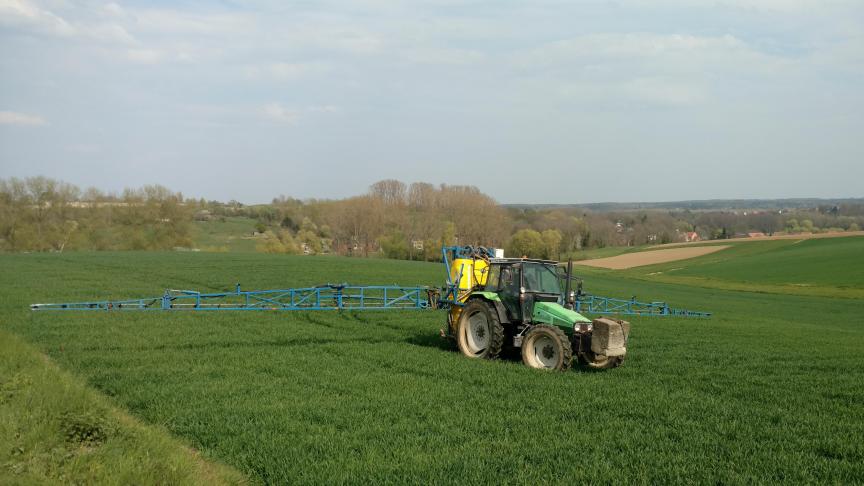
{"points": [[560, 336], [496, 341]]}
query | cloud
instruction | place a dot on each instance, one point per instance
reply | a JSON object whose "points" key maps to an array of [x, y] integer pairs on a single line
{"points": [[445, 56], [84, 148], [330, 33], [323, 109], [28, 16], [108, 33], [643, 91], [280, 114], [807, 7], [616, 69], [21, 119], [24, 14], [612, 46], [185, 23], [162, 35], [144, 56], [287, 71], [114, 9], [663, 91]]}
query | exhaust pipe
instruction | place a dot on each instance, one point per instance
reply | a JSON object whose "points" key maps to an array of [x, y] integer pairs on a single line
{"points": [[568, 302]]}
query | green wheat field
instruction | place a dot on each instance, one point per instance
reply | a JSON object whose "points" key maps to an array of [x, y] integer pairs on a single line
{"points": [[771, 388]]}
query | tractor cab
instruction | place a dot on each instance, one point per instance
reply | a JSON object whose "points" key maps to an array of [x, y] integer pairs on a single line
{"points": [[521, 283]]}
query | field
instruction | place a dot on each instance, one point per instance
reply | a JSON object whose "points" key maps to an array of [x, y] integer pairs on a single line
{"points": [[651, 257], [774, 237], [231, 234], [826, 267], [771, 388]]}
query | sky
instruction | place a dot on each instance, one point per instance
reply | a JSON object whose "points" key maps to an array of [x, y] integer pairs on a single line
{"points": [[532, 102]]}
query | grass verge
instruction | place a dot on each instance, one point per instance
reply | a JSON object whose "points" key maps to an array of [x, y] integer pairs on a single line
{"points": [[54, 429]]}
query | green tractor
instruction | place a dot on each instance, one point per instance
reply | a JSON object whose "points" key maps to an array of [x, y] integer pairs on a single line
{"points": [[501, 303]]}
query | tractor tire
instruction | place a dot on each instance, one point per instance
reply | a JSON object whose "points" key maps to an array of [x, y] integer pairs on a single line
{"points": [[479, 333], [547, 348]]}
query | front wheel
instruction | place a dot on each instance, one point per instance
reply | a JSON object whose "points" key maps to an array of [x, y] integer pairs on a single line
{"points": [[547, 347], [479, 333], [606, 362]]}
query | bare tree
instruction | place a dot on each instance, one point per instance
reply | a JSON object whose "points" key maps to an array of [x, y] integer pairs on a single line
{"points": [[391, 191]]}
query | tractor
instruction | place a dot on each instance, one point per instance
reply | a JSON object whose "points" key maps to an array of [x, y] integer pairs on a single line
{"points": [[499, 303]]}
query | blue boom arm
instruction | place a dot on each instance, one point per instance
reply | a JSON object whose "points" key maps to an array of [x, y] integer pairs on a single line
{"points": [[341, 297], [595, 304], [323, 297]]}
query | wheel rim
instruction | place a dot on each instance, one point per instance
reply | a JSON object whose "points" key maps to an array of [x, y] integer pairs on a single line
{"points": [[545, 352], [477, 333]]}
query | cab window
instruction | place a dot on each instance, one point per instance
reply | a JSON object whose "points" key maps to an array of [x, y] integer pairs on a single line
{"points": [[541, 278], [492, 278], [510, 279]]}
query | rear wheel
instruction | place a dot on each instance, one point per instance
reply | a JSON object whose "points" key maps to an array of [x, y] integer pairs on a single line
{"points": [[479, 333], [547, 347]]}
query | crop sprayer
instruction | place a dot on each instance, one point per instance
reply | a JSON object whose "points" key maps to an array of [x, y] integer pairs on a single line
{"points": [[492, 303]]}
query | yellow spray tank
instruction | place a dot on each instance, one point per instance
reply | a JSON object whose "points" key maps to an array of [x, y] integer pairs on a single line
{"points": [[467, 273]]}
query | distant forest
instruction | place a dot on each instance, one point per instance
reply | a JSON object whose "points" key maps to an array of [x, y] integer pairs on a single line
{"points": [[704, 205], [393, 219]]}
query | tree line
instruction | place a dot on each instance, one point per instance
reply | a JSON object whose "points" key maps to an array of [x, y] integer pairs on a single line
{"points": [[41, 214], [392, 219]]}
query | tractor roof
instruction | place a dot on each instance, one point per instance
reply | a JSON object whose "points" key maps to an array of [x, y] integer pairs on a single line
{"points": [[518, 260]]}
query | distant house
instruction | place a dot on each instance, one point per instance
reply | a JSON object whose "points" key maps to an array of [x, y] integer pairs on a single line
{"points": [[417, 244], [691, 236], [756, 234]]}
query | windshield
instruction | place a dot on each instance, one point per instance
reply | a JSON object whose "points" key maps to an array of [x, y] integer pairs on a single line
{"points": [[538, 277]]}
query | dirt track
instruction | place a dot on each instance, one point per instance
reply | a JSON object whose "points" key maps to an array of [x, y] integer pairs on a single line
{"points": [[638, 259]]}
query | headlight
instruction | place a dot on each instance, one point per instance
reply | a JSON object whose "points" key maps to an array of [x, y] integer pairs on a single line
{"points": [[582, 327]]}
